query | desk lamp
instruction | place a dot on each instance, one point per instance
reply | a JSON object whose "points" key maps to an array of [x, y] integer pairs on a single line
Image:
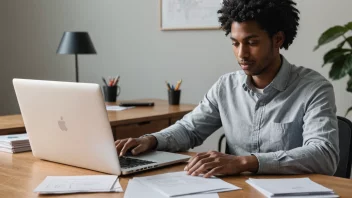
{"points": [[76, 43]]}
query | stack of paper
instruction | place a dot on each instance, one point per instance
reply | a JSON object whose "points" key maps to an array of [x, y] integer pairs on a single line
{"points": [[177, 184], [14, 143], [79, 184], [297, 187]]}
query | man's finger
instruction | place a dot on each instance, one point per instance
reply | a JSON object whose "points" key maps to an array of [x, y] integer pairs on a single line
{"points": [[191, 159], [118, 141], [120, 145], [206, 167], [198, 154], [195, 160], [129, 144], [137, 150], [214, 171], [199, 164]]}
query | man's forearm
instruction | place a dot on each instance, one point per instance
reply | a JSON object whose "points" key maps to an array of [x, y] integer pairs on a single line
{"points": [[312, 158], [174, 138], [249, 163]]}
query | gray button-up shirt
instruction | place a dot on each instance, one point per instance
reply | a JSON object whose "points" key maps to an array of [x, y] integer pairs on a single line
{"points": [[291, 128]]}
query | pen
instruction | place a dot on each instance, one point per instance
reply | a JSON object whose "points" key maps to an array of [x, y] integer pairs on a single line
{"points": [[116, 80], [111, 81], [104, 81], [168, 85], [178, 85]]}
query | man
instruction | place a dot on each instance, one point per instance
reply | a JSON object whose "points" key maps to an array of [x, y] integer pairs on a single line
{"points": [[278, 118]]}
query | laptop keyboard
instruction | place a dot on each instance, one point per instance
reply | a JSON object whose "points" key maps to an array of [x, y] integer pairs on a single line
{"points": [[126, 162]]}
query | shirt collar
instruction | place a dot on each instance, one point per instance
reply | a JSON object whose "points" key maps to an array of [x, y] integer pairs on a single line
{"points": [[279, 82]]}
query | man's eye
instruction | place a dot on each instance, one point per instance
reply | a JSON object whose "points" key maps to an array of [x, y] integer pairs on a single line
{"points": [[252, 42], [235, 44]]}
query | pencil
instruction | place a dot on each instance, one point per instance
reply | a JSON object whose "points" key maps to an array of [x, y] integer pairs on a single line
{"points": [[116, 80], [104, 81], [167, 85], [178, 85]]}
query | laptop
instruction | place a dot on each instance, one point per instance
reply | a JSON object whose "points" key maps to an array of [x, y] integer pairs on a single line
{"points": [[68, 123]]}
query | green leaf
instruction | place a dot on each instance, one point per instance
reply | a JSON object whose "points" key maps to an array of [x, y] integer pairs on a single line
{"points": [[334, 54], [349, 41], [316, 47], [340, 45], [347, 65], [348, 110], [349, 25], [337, 70], [349, 85], [330, 35]]}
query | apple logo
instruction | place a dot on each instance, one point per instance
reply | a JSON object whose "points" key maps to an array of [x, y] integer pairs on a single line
{"points": [[62, 124]]}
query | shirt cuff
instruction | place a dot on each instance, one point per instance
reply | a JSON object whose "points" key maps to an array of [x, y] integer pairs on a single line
{"points": [[268, 163], [162, 141]]}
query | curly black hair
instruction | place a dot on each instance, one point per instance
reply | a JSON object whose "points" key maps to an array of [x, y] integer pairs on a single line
{"points": [[271, 15]]}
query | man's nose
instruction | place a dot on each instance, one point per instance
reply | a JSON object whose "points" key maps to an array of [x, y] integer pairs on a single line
{"points": [[243, 52]]}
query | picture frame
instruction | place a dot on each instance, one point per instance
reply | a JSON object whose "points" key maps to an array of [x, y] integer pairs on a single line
{"points": [[189, 14]]}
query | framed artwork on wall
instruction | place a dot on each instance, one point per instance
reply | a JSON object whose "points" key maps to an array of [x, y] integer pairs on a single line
{"points": [[189, 14]]}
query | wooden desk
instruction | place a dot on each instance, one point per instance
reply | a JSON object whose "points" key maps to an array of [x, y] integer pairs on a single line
{"points": [[21, 173], [128, 123]]}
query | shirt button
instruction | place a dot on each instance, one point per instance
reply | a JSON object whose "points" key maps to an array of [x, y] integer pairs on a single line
{"points": [[262, 104]]}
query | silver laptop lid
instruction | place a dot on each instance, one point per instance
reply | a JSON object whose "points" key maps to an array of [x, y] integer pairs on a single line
{"points": [[68, 123]]}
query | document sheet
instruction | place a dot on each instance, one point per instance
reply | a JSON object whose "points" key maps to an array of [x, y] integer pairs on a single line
{"points": [[179, 183], [78, 184], [135, 189], [296, 187], [14, 143]]}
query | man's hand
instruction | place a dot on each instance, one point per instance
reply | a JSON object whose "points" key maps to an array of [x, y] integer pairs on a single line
{"points": [[138, 145], [216, 163]]}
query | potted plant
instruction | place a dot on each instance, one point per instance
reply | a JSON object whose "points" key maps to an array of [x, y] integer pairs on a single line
{"points": [[341, 56]]}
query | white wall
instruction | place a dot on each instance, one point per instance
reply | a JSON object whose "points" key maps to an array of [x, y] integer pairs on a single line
{"points": [[127, 38]]}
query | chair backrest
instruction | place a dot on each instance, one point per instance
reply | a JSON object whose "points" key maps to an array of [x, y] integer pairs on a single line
{"points": [[222, 137], [345, 146]]}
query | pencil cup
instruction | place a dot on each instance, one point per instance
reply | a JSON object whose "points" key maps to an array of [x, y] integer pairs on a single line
{"points": [[111, 93], [174, 97]]}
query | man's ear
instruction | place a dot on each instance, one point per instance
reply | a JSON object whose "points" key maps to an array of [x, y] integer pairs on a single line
{"points": [[278, 39]]}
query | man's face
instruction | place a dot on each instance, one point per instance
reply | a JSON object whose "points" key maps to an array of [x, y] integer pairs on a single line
{"points": [[252, 46]]}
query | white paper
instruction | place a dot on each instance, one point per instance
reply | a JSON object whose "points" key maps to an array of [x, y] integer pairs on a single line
{"points": [[136, 189], [190, 13], [309, 196], [117, 187], [14, 143], [179, 183], [14, 138], [296, 187], [77, 184], [15, 150], [117, 108]]}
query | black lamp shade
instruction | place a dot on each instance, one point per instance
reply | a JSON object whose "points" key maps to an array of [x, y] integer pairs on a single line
{"points": [[76, 43]]}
